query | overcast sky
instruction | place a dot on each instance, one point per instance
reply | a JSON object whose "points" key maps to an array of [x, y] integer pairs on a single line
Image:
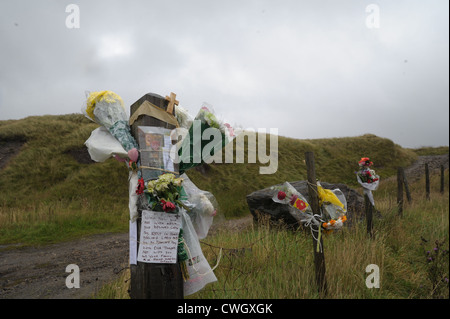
{"points": [[311, 69]]}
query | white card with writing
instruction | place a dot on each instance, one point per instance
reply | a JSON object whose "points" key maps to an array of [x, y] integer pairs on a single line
{"points": [[159, 237]]}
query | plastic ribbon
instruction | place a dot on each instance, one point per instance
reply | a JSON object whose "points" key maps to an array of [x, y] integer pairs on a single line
{"points": [[315, 219]]}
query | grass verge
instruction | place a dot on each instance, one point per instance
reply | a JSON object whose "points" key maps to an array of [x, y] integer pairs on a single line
{"points": [[264, 263]]}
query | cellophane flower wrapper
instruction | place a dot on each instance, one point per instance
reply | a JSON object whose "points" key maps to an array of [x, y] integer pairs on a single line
{"points": [[202, 207], [333, 202], [183, 117], [298, 208], [199, 272], [333, 206], [369, 181], [368, 186], [106, 108], [368, 176], [207, 119]]}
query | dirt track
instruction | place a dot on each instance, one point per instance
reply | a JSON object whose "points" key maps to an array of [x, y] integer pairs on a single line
{"points": [[37, 273]]}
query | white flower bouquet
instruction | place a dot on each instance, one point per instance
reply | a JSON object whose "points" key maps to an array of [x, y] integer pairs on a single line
{"points": [[106, 108]]}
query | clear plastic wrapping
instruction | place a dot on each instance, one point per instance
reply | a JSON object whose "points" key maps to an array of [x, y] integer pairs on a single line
{"points": [[106, 108], [332, 202], [202, 207]]}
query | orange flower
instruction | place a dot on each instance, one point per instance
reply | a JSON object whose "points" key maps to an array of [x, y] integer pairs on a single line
{"points": [[332, 222], [344, 218], [325, 225]]}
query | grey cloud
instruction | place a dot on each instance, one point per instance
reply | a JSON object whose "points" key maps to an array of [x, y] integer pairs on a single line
{"points": [[312, 69]]}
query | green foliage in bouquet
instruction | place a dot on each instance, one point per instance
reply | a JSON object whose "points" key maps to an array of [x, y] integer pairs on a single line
{"points": [[165, 193], [191, 152]]}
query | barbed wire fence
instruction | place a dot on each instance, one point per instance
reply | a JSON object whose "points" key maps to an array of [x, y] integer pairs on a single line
{"points": [[234, 275]]}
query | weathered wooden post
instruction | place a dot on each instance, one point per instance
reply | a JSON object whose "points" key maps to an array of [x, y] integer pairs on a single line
{"points": [[152, 280], [319, 258], [406, 185], [369, 215], [442, 179], [427, 181], [400, 191]]}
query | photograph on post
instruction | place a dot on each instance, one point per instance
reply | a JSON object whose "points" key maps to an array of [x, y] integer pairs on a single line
{"points": [[154, 146]]}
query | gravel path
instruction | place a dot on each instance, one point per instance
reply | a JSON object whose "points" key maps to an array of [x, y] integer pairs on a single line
{"points": [[417, 170]]}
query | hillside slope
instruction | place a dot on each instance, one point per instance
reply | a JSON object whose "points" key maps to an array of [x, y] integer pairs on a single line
{"points": [[51, 181], [50, 166]]}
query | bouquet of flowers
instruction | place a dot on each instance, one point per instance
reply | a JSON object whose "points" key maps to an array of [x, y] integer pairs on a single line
{"points": [[332, 203], [192, 145], [367, 178], [163, 194], [334, 207], [366, 174], [106, 108]]}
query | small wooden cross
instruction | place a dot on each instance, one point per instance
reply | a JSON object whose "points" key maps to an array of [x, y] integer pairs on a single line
{"points": [[172, 102]]}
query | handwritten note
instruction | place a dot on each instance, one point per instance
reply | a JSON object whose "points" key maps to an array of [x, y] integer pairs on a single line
{"points": [[159, 237]]}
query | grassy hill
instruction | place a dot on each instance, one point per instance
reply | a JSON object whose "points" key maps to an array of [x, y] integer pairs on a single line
{"points": [[46, 195]]}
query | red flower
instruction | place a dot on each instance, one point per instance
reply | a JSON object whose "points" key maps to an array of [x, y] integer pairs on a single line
{"points": [[167, 206], [141, 186], [300, 204], [281, 195]]}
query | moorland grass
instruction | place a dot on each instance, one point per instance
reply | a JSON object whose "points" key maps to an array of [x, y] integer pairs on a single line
{"points": [[263, 262]]}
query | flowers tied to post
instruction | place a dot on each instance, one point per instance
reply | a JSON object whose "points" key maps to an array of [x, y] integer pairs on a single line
{"points": [[193, 144], [107, 109], [366, 174], [367, 178], [164, 193], [332, 205]]}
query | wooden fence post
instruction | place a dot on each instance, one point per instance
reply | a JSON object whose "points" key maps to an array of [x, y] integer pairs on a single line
{"points": [[319, 258], [400, 191], [369, 215], [150, 280], [427, 181], [405, 184], [442, 179]]}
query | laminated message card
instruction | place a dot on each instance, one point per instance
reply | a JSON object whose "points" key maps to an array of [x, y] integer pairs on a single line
{"points": [[159, 237]]}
